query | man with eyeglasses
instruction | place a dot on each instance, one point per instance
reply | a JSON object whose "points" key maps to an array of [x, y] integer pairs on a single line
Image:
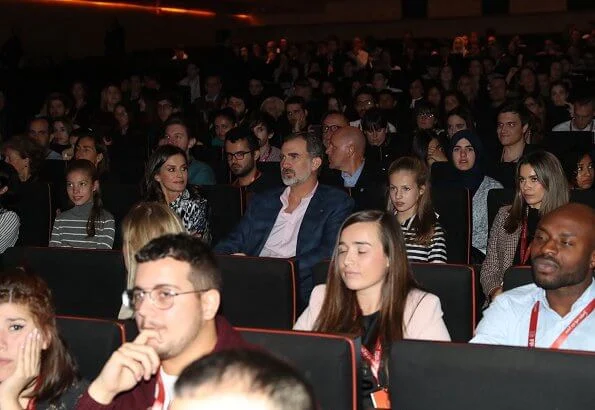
{"points": [[176, 295], [582, 119], [298, 221], [365, 99], [332, 121], [242, 152]]}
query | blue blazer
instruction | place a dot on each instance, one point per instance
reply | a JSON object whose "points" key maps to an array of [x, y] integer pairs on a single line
{"points": [[327, 210]]}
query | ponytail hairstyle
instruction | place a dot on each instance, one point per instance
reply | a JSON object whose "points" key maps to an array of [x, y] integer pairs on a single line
{"points": [[89, 169]]}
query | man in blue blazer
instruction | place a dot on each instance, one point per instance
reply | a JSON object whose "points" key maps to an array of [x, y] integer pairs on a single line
{"points": [[301, 220]]}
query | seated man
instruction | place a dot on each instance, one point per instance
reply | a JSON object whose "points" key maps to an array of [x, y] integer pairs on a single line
{"points": [[242, 152], [39, 131], [263, 128], [177, 133], [556, 311], [175, 298], [301, 220], [242, 379], [583, 118], [346, 156]]}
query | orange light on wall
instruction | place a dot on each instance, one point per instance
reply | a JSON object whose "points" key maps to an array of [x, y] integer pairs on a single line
{"points": [[130, 6]]}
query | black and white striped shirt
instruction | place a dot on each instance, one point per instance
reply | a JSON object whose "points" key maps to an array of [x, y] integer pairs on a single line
{"points": [[9, 229], [435, 252], [70, 229]]}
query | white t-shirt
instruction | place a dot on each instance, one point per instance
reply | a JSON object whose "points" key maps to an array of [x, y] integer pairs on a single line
{"points": [[168, 386]]}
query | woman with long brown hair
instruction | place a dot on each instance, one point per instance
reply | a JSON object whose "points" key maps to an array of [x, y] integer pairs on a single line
{"points": [[371, 292], [36, 370]]}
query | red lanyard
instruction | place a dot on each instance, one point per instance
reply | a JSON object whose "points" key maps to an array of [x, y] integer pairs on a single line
{"points": [[159, 402], [373, 360], [525, 248], [565, 333]]}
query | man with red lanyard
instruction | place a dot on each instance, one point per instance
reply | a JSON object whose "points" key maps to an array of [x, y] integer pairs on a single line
{"points": [[175, 298], [557, 311]]}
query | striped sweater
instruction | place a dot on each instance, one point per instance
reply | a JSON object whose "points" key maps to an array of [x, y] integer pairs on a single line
{"points": [[9, 229], [435, 252], [70, 229]]}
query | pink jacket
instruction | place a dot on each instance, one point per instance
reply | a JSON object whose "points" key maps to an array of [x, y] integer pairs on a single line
{"points": [[423, 315]]}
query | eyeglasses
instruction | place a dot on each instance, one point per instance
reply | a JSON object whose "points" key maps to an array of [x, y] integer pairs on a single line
{"points": [[332, 128], [161, 297], [365, 103], [237, 155], [425, 115]]}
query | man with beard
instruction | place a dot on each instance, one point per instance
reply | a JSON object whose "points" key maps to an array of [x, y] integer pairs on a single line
{"points": [[176, 295], [242, 152], [299, 221], [556, 311]]}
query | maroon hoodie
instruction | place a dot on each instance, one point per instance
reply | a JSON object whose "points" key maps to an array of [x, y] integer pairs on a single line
{"points": [[142, 395]]}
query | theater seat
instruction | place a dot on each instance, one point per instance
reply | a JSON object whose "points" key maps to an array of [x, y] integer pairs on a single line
{"points": [[84, 282], [453, 284], [516, 276], [454, 207], [258, 292], [227, 206], [452, 376], [329, 362], [34, 207], [119, 199], [90, 341]]}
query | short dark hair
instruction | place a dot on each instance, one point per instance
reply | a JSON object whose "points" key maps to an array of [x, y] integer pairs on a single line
{"points": [[265, 119], [226, 112], [374, 119], [365, 90], [172, 97], [255, 372], [39, 117], [313, 143], [519, 109], [241, 133], [204, 273], [177, 120], [296, 99], [26, 148]]}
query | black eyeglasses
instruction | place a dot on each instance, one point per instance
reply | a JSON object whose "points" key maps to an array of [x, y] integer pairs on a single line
{"points": [[237, 155]]}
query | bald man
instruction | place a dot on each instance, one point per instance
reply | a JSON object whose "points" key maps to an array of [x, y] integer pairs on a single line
{"points": [[331, 123], [345, 153], [557, 310]]}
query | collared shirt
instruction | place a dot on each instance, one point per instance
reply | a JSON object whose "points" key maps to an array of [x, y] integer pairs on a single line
{"points": [[282, 241], [506, 321], [194, 85], [569, 126], [349, 181], [358, 124]]}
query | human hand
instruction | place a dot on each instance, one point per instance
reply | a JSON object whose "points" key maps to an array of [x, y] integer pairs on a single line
{"points": [[126, 367], [28, 364]]}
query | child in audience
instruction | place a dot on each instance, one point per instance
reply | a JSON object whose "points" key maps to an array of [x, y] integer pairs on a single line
{"points": [[36, 371], [166, 181], [87, 224], [371, 292], [145, 221], [410, 201], [9, 220], [541, 187]]}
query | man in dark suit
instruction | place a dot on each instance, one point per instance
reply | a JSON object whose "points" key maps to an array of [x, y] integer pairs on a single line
{"points": [[301, 220], [350, 169]]}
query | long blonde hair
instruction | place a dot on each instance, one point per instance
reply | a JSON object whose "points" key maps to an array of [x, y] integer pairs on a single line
{"points": [[146, 221]]}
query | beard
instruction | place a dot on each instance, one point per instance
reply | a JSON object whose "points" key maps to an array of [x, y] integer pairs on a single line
{"points": [[242, 172], [290, 178], [560, 279]]}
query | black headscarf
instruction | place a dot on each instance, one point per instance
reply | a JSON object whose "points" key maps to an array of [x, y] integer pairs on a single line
{"points": [[472, 178]]}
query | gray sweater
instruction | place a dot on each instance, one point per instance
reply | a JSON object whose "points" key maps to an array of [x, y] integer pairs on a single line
{"points": [[70, 229], [480, 213]]}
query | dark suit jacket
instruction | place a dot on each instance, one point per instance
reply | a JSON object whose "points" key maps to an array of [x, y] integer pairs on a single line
{"points": [[369, 191], [326, 212]]}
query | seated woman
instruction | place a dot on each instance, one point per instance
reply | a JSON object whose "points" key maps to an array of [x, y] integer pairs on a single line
{"points": [[370, 291], [410, 201], [457, 120], [578, 166], [468, 158], [9, 220], [145, 221], [541, 187], [36, 371], [25, 156], [61, 129], [429, 147], [166, 181], [87, 224], [91, 147]]}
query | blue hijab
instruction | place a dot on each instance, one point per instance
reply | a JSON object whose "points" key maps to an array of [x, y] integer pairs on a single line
{"points": [[472, 178]]}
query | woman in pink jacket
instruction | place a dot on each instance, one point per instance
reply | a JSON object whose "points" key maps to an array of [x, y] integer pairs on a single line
{"points": [[370, 291]]}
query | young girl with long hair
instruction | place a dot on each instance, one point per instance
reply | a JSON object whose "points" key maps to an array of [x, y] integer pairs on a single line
{"points": [[371, 292], [410, 200], [87, 224]]}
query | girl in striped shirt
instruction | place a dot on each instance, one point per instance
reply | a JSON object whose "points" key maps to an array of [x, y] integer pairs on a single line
{"points": [[87, 224], [410, 200]]}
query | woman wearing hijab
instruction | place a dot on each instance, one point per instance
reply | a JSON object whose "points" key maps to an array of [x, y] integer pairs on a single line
{"points": [[467, 156]]}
